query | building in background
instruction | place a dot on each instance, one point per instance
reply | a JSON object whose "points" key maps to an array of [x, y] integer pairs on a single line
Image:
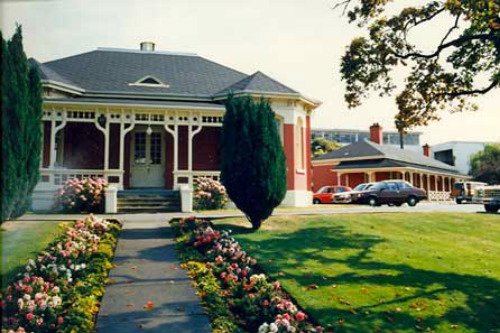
{"points": [[372, 161], [345, 137], [457, 153]]}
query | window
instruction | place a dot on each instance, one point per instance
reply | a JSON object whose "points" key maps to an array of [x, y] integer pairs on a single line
{"points": [[340, 190], [149, 81], [299, 145]]}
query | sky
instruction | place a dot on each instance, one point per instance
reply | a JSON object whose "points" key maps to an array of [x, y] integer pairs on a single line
{"points": [[298, 42]]}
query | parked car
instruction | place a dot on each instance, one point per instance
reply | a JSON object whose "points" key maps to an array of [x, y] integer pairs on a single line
{"points": [[489, 196], [464, 191], [346, 197], [325, 194], [390, 193]]}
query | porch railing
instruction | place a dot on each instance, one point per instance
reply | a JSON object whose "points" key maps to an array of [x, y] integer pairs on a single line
{"points": [[189, 177], [439, 196], [55, 178]]}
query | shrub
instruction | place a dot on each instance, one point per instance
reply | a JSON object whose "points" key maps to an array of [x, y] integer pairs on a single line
{"points": [[253, 166], [85, 195], [60, 290], [21, 131], [209, 194]]}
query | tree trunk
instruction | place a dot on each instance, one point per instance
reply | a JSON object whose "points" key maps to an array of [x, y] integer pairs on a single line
{"points": [[256, 223]]}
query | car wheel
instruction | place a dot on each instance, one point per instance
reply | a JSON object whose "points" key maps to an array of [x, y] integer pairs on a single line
{"points": [[458, 201], [491, 208], [399, 204], [412, 201], [316, 201], [372, 201]]}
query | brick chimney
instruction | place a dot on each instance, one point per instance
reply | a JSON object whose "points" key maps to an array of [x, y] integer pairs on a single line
{"points": [[427, 150], [376, 134]]}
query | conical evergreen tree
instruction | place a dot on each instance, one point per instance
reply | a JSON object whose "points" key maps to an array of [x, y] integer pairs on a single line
{"points": [[21, 131], [253, 166]]}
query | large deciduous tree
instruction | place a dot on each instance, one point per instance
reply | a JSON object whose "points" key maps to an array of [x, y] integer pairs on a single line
{"points": [[485, 164], [21, 127], [464, 63], [321, 146], [253, 166]]}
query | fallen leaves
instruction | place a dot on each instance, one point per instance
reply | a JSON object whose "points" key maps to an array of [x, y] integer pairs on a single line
{"points": [[133, 267], [130, 305], [149, 305]]}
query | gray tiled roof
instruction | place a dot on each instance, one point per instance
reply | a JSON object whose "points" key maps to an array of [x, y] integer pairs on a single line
{"points": [[259, 82], [141, 102], [370, 149], [111, 71]]}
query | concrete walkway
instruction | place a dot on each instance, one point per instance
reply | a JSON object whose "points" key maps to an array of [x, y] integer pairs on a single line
{"points": [[148, 291]]}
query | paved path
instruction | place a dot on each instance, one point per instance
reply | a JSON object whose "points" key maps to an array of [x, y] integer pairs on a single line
{"points": [[147, 270]]}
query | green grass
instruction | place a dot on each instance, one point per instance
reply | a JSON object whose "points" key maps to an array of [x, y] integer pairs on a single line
{"points": [[21, 241], [429, 272]]}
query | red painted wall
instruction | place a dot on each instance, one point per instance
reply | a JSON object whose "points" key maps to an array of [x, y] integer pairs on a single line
{"points": [[380, 176], [83, 146], [322, 176], [46, 144], [353, 179], [114, 146], [308, 153], [169, 161], [288, 131], [183, 147], [206, 149]]}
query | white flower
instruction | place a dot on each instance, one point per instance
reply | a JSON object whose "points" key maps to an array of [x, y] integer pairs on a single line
{"points": [[27, 297], [273, 328], [264, 328]]}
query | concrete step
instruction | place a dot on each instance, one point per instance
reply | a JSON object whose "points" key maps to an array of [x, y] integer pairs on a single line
{"points": [[148, 200]]}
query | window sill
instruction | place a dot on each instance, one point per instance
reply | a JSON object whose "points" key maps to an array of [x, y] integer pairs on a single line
{"points": [[300, 171]]}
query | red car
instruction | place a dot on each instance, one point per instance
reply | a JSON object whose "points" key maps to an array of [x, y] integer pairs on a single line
{"points": [[325, 194]]}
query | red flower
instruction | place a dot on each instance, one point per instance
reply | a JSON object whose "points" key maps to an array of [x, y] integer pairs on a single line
{"points": [[300, 316]]}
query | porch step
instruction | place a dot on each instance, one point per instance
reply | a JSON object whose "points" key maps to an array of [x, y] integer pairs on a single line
{"points": [[148, 201]]}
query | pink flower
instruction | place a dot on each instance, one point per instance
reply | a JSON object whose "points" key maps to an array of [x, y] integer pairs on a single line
{"points": [[30, 316], [300, 316], [60, 320]]}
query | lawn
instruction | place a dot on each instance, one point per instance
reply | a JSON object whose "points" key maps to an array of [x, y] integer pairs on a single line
{"points": [[429, 272], [21, 241]]}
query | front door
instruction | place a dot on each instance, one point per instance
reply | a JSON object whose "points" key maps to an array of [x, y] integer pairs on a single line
{"points": [[147, 165]]}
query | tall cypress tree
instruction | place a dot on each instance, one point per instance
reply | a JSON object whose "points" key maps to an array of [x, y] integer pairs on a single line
{"points": [[253, 166], [21, 131]]}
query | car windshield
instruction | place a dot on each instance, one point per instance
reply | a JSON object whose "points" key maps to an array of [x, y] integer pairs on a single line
{"points": [[360, 187]]}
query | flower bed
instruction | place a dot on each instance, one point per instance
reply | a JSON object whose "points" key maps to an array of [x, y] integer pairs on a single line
{"points": [[81, 195], [239, 297], [61, 289]]}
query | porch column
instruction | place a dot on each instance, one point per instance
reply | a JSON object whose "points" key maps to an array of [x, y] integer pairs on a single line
{"points": [[428, 181], [105, 131], [53, 149], [123, 133], [190, 144], [436, 183], [412, 181], [339, 178], [421, 183], [449, 184], [175, 135]]}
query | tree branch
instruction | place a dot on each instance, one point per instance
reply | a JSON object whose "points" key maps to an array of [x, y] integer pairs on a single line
{"points": [[441, 47], [483, 91]]}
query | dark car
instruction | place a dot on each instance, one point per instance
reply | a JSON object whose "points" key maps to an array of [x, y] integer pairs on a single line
{"points": [[390, 193]]}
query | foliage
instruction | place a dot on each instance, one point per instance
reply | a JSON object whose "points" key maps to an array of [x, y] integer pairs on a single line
{"points": [[248, 301], [61, 289], [209, 194], [21, 131], [361, 273], [446, 77], [485, 164], [81, 195], [321, 146], [253, 167]]}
